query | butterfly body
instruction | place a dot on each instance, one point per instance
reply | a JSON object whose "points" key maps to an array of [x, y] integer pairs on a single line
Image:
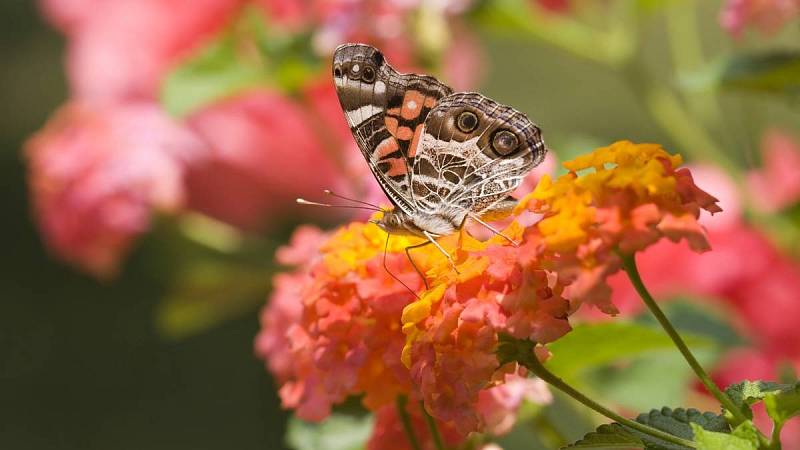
{"points": [[441, 157]]}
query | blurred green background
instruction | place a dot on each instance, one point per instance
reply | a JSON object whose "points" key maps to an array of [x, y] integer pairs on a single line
{"points": [[82, 363]]}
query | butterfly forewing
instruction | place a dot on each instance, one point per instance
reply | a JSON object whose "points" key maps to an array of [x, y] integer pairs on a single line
{"points": [[386, 111]]}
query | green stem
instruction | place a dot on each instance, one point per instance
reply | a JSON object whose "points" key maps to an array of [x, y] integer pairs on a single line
{"points": [[775, 443], [405, 419], [434, 430], [533, 364], [629, 265]]}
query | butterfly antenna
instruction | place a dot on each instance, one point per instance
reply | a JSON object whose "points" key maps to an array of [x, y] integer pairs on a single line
{"points": [[386, 268], [302, 201], [334, 194]]}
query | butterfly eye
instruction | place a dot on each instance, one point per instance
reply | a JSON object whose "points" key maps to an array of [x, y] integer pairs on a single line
{"points": [[504, 142], [368, 75], [467, 121]]}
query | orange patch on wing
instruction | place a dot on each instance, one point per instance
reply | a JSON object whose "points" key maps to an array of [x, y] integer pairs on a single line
{"points": [[404, 133], [397, 166], [412, 149], [386, 147], [412, 105], [430, 102], [391, 125]]}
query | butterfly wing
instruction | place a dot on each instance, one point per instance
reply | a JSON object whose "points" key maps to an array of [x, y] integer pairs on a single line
{"points": [[473, 153], [386, 111]]}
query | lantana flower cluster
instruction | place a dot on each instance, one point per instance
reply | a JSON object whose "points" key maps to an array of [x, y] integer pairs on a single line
{"points": [[355, 318], [616, 200]]}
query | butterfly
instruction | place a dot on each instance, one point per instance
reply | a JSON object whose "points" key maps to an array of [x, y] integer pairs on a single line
{"points": [[441, 157]]}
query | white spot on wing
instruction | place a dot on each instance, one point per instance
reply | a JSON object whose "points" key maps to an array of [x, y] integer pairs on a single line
{"points": [[380, 87], [357, 116]]}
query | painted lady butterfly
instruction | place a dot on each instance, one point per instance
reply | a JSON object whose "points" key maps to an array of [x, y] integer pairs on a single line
{"points": [[441, 157]]}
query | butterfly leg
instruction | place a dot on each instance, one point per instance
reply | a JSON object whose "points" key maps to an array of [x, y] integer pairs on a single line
{"points": [[411, 260], [386, 268], [493, 229], [432, 240]]}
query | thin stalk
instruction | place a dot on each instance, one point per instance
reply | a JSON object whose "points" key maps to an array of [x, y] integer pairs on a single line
{"points": [[539, 370], [437, 438], [405, 419], [629, 265], [775, 443]]}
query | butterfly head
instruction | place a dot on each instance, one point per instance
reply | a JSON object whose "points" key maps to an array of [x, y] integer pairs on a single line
{"points": [[397, 222]]}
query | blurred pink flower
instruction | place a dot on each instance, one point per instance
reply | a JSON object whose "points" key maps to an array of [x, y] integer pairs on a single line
{"points": [[265, 154], [768, 16], [97, 174], [776, 185], [497, 406], [388, 25], [462, 65], [556, 6], [124, 48], [388, 432]]}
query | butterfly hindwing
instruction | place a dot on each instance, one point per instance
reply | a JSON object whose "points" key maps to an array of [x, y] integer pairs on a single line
{"points": [[473, 153], [386, 111]]}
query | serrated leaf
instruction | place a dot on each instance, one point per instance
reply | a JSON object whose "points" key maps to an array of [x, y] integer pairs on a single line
{"points": [[747, 392], [747, 431], [338, 432], [678, 422], [783, 405], [592, 345], [711, 440], [775, 71], [609, 436]]}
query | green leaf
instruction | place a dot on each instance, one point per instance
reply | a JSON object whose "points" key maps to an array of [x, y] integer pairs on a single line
{"points": [[748, 392], [208, 293], [776, 71], [246, 56], [783, 405], [593, 345], [711, 440], [678, 422], [689, 314], [631, 385], [218, 71], [338, 432], [609, 436]]}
